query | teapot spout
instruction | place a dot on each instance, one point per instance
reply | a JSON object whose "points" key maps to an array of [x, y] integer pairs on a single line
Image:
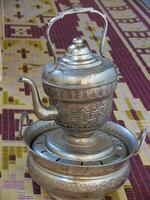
{"points": [[42, 112]]}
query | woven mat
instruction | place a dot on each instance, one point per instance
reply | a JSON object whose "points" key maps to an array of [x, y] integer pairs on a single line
{"points": [[25, 52]]}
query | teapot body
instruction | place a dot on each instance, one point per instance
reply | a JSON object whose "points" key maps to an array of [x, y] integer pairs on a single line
{"points": [[82, 109]]}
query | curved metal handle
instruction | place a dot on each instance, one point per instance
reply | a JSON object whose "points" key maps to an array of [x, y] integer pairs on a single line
{"points": [[141, 139], [60, 15], [24, 116]]}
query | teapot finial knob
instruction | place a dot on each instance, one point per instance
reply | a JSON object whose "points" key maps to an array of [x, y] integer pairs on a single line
{"points": [[77, 41]]}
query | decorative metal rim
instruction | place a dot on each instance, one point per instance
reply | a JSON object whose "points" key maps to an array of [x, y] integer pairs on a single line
{"points": [[43, 126]]}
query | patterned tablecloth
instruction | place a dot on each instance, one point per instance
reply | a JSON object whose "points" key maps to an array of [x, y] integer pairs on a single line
{"points": [[25, 51]]}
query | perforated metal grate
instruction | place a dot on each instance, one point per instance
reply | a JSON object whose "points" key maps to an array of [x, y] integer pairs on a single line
{"points": [[119, 152]]}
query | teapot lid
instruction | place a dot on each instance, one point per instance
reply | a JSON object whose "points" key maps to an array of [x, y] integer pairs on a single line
{"points": [[79, 68], [79, 56]]}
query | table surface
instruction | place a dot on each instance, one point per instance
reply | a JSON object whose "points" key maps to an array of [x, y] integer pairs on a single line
{"points": [[25, 52]]}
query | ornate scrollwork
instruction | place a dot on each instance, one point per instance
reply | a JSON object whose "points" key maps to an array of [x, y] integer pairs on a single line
{"points": [[96, 185], [90, 115], [80, 94]]}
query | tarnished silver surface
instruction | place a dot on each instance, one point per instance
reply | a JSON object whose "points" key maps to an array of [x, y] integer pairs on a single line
{"points": [[102, 147], [80, 85], [80, 155], [66, 178], [70, 186]]}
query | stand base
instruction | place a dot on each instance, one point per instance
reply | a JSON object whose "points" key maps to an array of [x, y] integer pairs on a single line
{"points": [[68, 198], [94, 147], [98, 149]]}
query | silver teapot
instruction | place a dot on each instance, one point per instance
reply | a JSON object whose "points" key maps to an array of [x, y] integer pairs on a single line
{"points": [[74, 151], [80, 85]]}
